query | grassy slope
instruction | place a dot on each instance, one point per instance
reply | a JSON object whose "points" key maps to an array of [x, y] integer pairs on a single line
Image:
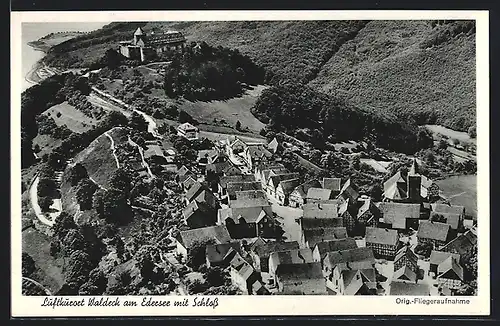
{"points": [[384, 67], [74, 119], [463, 190]]}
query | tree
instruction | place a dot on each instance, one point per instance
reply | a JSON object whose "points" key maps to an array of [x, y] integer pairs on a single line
{"points": [[424, 249], [46, 187], [438, 218], [113, 119], [238, 125], [77, 173], [138, 122], [45, 203], [115, 207], [84, 193], [145, 262], [216, 276], [196, 254], [429, 157], [376, 192], [424, 138], [97, 201], [28, 265], [72, 242], [96, 284], [78, 267], [472, 132], [63, 224], [121, 180], [443, 144]]}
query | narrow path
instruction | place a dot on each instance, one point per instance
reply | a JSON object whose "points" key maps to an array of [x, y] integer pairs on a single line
{"points": [[141, 152], [101, 187], [113, 148]]}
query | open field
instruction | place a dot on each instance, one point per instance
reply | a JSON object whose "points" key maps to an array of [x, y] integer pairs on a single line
{"points": [[461, 190], [37, 245], [232, 110], [74, 119], [450, 133], [46, 143]]}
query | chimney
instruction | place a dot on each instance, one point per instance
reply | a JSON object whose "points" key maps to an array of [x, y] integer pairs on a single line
{"points": [[414, 183]]}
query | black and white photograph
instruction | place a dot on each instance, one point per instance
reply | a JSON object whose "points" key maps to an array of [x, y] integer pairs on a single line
{"points": [[250, 158]]}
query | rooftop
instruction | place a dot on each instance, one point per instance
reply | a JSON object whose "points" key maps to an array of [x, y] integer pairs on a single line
{"points": [[433, 230], [397, 213], [409, 289], [266, 249], [217, 233], [320, 211], [443, 208], [319, 193], [249, 214], [304, 187], [307, 271], [350, 255], [381, 236], [313, 236], [335, 245], [333, 184]]}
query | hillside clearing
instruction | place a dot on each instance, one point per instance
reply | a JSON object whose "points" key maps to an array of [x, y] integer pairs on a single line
{"points": [[46, 143], [461, 190], [68, 115], [450, 133]]}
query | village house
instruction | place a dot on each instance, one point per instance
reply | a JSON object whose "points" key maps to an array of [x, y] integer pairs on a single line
{"points": [[438, 234], [334, 184], [399, 288], [464, 245], [221, 254], [311, 236], [436, 258], [249, 202], [285, 187], [321, 249], [242, 274], [298, 196], [368, 215], [188, 131], [225, 180], [143, 47], [400, 216], [250, 194], [248, 222], [208, 156], [221, 169], [274, 181], [406, 265], [357, 282], [236, 147], [452, 214], [450, 274], [335, 262], [320, 211], [348, 214], [187, 239], [318, 194], [453, 220], [384, 242], [199, 215], [182, 174], [233, 187], [188, 182], [294, 256], [260, 253], [259, 169], [268, 173], [349, 192], [300, 279], [193, 191], [256, 154]]}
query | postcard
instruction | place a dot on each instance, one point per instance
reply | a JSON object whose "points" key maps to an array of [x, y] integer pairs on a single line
{"points": [[238, 163]]}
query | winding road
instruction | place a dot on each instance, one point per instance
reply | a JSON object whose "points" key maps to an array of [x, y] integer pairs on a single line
{"points": [[113, 149], [56, 205]]}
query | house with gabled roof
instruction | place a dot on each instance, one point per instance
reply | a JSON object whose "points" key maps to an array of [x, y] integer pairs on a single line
{"points": [[348, 212], [274, 181], [334, 184], [453, 220], [225, 180], [450, 274], [221, 254], [368, 214], [464, 244], [357, 282], [193, 191], [182, 174], [260, 253], [233, 187], [300, 279], [243, 274], [321, 249], [273, 146], [259, 169], [310, 237], [256, 154], [284, 189], [438, 234], [250, 194], [293, 256], [400, 216], [298, 196], [248, 222], [199, 214], [188, 182], [221, 168], [437, 257], [349, 192], [318, 194], [207, 156], [187, 239], [406, 265], [384, 242], [268, 173], [188, 131]]}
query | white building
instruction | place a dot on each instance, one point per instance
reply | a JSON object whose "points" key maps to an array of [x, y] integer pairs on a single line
{"points": [[188, 131]]}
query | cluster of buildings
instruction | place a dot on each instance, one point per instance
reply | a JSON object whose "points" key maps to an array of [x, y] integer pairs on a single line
{"points": [[143, 46], [347, 244]]}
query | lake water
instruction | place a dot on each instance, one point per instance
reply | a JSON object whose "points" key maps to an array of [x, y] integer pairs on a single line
{"points": [[34, 31]]}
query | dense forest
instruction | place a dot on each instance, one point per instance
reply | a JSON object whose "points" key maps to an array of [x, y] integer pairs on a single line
{"points": [[316, 117], [202, 72]]}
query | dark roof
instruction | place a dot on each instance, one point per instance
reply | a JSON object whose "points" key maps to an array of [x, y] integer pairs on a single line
{"points": [[233, 187], [397, 213], [443, 208], [183, 170], [319, 193], [320, 211], [450, 268], [268, 165], [194, 207], [411, 289], [462, 244], [207, 153], [249, 214], [318, 223], [288, 185], [217, 233], [235, 178], [406, 251], [266, 173], [247, 194], [335, 245], [304, 187], [356, 279], [291, 256], [349, 190], [259, 151], [188, 182], [307, 271], [313, 236], [437, 257], [332, 184], [350, 256], [265, 250], [276, 179], [452, 219], [242, 267], [207, 197], [381, 236], [221, 167], [216, 253], [433, 230], [195, 189]]}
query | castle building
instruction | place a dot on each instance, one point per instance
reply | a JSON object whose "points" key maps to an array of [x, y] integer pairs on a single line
{"points": [[143, 46]]}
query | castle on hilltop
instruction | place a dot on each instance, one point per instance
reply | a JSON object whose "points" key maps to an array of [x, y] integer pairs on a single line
{"points": [[143, 46]]}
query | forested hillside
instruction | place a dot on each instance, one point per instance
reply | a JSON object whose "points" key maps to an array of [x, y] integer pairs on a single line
{"points": [[423, 71]]}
